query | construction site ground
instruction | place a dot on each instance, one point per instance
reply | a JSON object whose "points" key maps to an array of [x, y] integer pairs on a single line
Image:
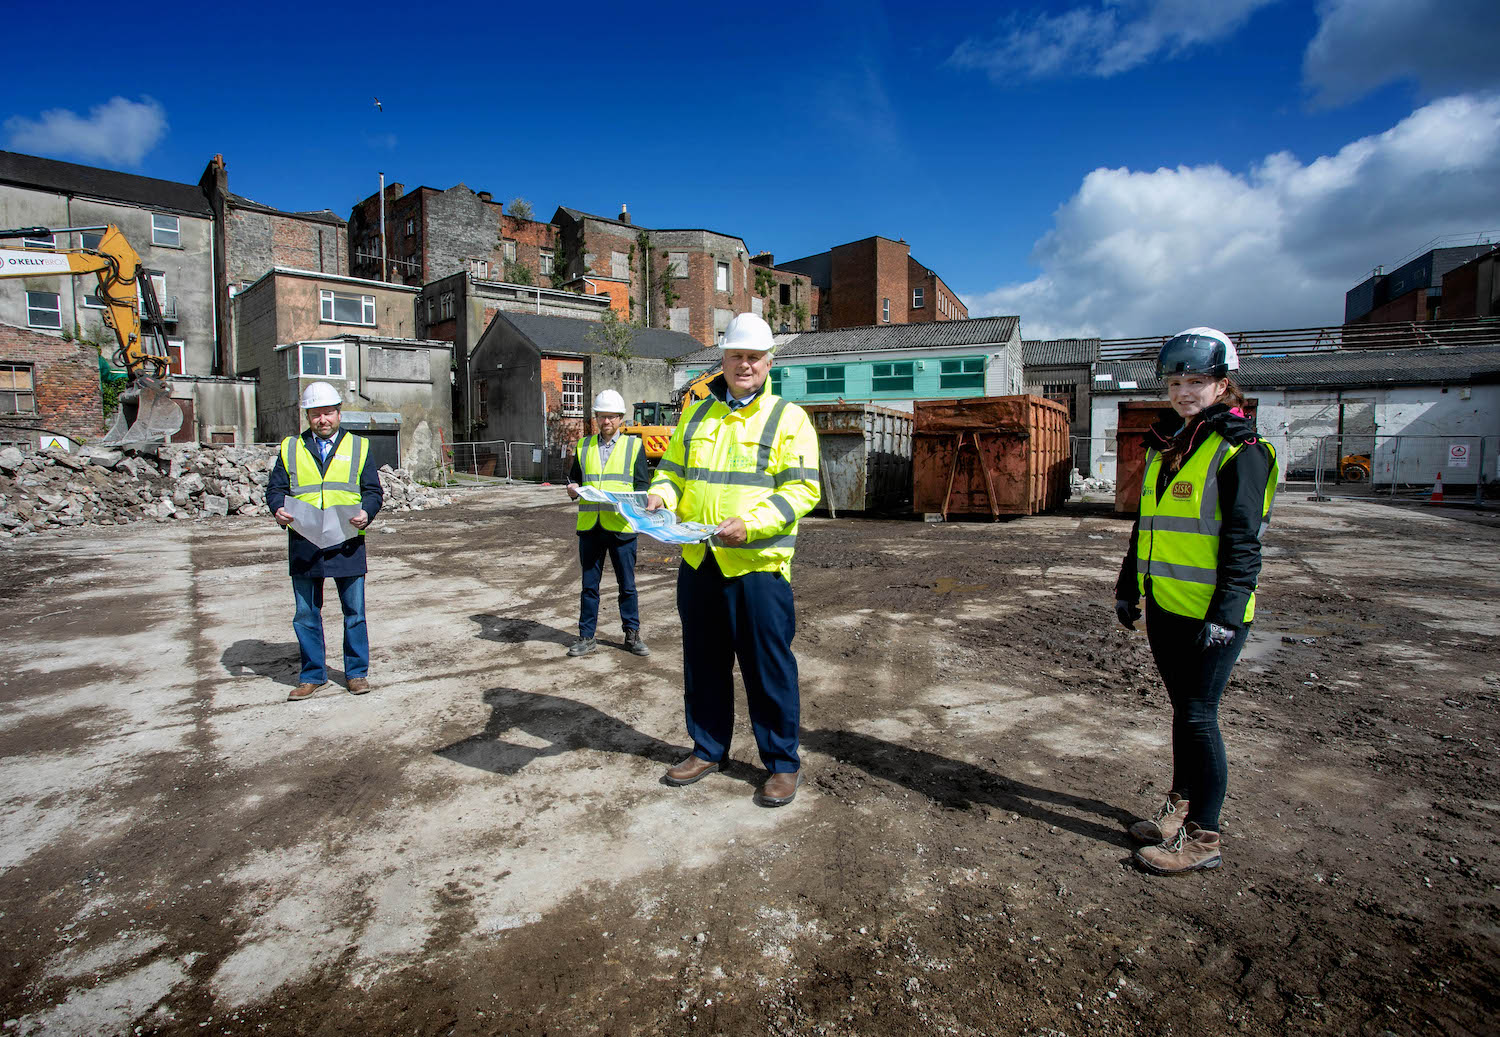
{"points": [[482, 845]]}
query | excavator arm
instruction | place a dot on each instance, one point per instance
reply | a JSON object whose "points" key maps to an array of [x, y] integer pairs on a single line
{"points": [[147, 413]]}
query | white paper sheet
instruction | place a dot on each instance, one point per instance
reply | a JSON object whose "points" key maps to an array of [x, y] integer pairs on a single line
{"points": [[660, 525], [326, 527]]}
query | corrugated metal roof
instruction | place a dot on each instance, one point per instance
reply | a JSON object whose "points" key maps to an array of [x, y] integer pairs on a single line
{"points": [[1343, 368], [68, 178], [978, 331], [1059, 351], [573, 335]]}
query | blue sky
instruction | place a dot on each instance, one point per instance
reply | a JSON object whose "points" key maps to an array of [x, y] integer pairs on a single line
{"points": [[1120, 167]]}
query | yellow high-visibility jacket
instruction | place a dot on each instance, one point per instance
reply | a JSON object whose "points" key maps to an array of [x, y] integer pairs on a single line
{"points": [[616, 475], [338, 487], [759, 462], [1177, 545]]}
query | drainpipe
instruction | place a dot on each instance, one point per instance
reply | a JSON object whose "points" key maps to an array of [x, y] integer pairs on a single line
{"points": [[385, 270]]}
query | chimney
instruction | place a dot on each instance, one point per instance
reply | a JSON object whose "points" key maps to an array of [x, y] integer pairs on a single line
{"points": [[624, 214], [763, 258], [485, 196]]}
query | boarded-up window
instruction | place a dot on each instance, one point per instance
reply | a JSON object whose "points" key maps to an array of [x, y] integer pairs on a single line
{"points": [[588, 262], [678, 318], [17, 394], [677, 263], [619, 265], [398, 365], [757, 305]]}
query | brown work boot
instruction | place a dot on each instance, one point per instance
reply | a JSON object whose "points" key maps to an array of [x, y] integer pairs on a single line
{"points": [[304, 691], [359, 685], [779, 789], [689, 770], [1164, 824], [1191, 849]]}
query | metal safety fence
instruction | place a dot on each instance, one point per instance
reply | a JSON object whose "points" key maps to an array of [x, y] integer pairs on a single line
{"points": [[1403, 467], [499, 459]]}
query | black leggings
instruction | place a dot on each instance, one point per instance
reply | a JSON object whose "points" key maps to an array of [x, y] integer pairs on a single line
{"points": [[1195, 678]]}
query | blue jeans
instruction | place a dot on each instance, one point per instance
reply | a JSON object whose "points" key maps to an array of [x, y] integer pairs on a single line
{"points": [[749, 618], [593, 545], [1195, 678], [308, 626]]}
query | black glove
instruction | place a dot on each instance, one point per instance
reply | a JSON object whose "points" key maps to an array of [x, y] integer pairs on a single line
{"points": [[1215, 636], [1128, 611]]}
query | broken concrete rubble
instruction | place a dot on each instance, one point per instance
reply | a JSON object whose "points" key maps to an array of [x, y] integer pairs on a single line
{"points": [[50, 489]]}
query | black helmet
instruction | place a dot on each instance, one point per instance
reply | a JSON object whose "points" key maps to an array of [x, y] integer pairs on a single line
{"points": [[1197, 351]]}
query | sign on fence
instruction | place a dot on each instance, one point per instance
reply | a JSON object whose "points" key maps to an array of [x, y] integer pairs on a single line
{"points": [[1458, 455]]}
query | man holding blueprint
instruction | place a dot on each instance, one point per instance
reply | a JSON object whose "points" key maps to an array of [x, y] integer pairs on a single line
{"points": [[325, 493]]}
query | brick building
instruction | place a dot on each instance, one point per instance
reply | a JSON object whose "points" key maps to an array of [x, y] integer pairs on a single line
{"points": [[875, 281], [1411, 292], [1473, 289], [692, 281], [430, 234], [48, 384]]}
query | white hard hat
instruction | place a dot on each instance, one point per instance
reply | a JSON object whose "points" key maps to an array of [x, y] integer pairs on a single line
{"points": [[321, 394], [609, 402], [747, 331]]}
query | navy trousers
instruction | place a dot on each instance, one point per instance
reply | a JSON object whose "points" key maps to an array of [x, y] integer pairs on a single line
{"points": [[593, 545], [749, 618], [1195, 678]]}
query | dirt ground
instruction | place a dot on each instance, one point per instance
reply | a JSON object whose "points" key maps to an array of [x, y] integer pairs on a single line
{"points": [[482, 844]]}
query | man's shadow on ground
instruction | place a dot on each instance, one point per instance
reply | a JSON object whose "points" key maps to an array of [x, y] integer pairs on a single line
{"points": [[961, 785], [278, 661], [567, 725], [509, 630]]}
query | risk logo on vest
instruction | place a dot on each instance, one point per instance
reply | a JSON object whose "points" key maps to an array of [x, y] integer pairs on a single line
{"points": [[1182, 490]]}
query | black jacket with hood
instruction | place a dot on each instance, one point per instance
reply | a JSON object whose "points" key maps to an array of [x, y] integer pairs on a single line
{"points": [[1242, 494]]}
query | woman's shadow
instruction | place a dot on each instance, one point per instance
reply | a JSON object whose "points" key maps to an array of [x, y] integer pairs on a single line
{"points": [[565, 724], [960, 785]]}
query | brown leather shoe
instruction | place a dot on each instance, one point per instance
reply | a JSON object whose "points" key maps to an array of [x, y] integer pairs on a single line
{"points": [[359, 685], [689, 770], [1191, 849], [1162, 825], [304, 691], [779, 789]]}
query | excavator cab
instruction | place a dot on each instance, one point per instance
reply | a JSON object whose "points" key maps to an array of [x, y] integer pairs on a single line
{"points": [[655, 413]]}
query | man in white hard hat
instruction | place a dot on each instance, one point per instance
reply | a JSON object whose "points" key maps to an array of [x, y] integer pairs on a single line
{"points": [[615, 462], [327, 470], [746, 461]]}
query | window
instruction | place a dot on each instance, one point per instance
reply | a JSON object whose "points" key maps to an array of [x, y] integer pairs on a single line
{"points": [[510, 251], [917, 300], [445, 306], [784, 297], [324, 360], [482, 412], [159, 287], [49, 242], [165, 230], [544, 263], [1065, 393], [93, 302], [339, 308], [43, 310], [17, 394], [291, 363], [411, 227], [778, 378], [895, 377], [480, 268], [814, 319], [91, 238], [677, 264], [432, 309], [885, 310], [721, 278], [825, 380], [967, 373], [619, 265], [175, 347], [572, 392]]}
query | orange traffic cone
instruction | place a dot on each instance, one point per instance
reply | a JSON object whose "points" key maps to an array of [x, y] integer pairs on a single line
{"points": [[1437, 489]]}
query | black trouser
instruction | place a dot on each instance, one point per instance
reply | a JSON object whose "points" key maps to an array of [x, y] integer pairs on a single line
{"points": [[1195, 678]]}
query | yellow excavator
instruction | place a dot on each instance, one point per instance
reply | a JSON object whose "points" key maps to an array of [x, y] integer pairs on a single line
{"points": [[655, 421], [147, 412]]}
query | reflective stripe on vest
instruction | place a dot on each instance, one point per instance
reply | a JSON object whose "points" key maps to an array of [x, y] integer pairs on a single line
{"points": [[1177, 545], [338, 487], [615, 475]]}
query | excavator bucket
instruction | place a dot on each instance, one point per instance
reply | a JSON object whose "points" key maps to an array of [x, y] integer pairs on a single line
{"points": [[147, 415]]}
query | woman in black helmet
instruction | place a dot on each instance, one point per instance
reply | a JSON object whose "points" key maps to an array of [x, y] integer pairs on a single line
{"points": [[1194, 558]]}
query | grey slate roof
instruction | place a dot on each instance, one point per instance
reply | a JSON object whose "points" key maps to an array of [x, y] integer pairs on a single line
{"points": [[1058, 352], [977, 331], [1344, 368], [239, 201], [89, 181], [572, 335]]}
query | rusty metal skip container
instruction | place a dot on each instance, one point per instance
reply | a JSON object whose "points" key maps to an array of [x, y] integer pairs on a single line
{"points": [[994, 455], [864, 453]]}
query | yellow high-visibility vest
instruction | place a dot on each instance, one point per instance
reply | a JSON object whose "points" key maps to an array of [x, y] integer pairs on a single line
{"points": [[338, 487], [615, 475], [1177, 545], [759, 462]]}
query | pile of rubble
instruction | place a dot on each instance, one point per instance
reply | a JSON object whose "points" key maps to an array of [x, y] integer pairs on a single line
{"points": [[1082, 484], [98, 486]]}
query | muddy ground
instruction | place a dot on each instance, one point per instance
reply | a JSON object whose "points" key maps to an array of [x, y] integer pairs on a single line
{"points": [[482, 844]]}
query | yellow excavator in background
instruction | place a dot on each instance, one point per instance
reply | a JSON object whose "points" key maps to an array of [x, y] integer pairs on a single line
{"points": [[655, 421], [147, 411]]}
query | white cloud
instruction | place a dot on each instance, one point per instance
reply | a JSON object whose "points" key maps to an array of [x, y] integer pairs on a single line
{"points": [[118, 132], [1445, 46], [1103, 40], [1142, 253]]}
